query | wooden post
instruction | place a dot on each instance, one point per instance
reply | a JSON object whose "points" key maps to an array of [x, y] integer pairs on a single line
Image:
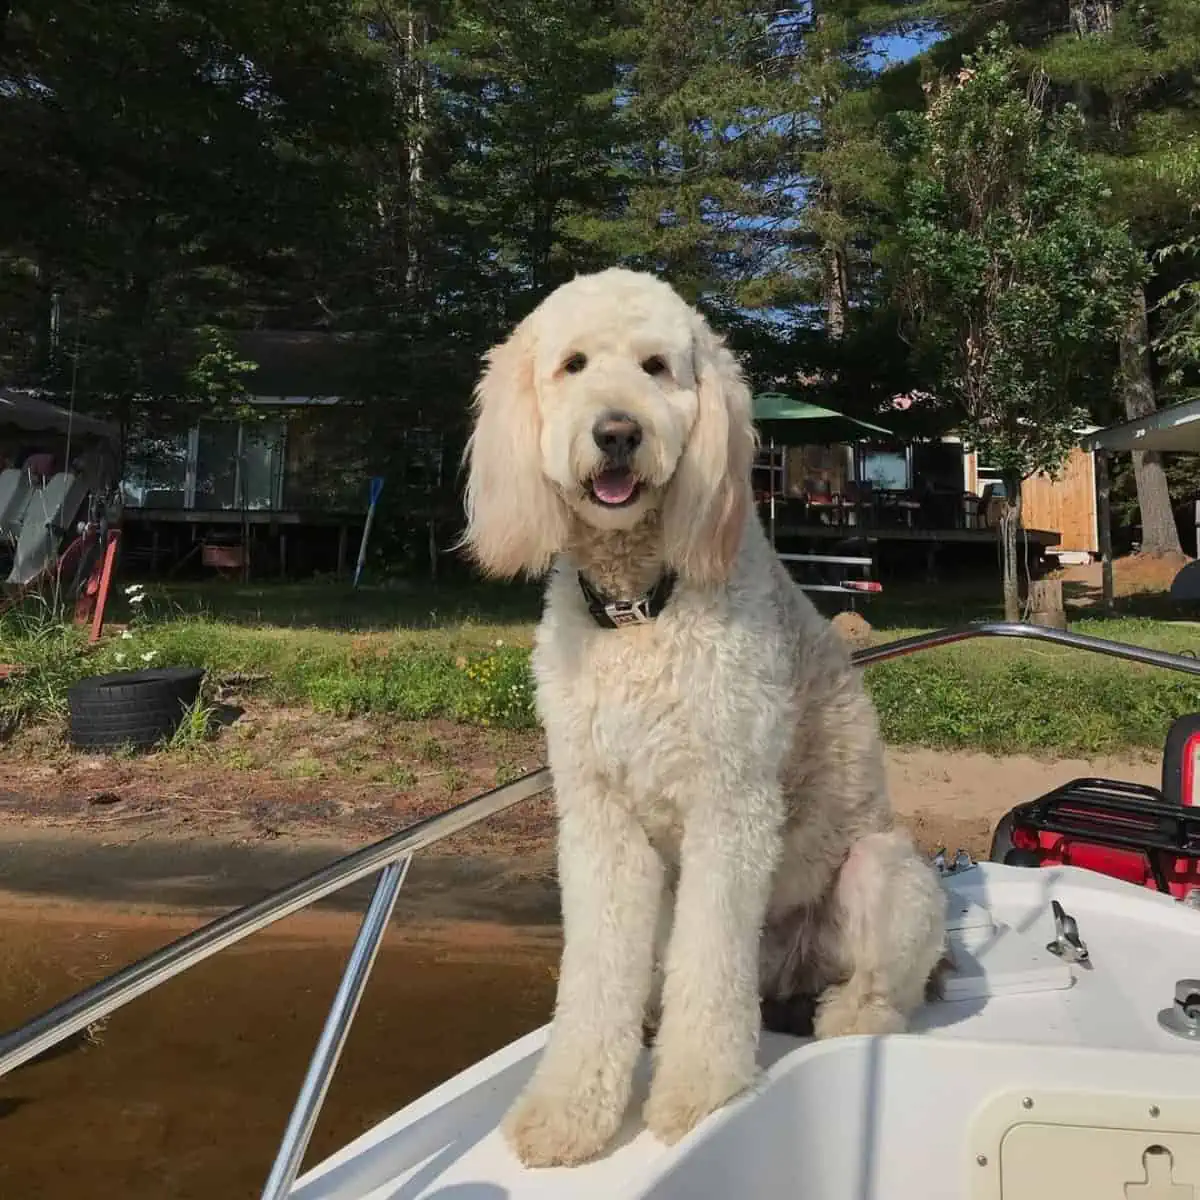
{"points": [[1104, 522]]}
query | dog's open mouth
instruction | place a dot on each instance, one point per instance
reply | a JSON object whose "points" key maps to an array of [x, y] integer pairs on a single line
{"points": [[614, 488]]}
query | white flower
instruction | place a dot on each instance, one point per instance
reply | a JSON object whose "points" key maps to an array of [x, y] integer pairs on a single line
{"points": [[149, 656], [499, 641], [126, 636], [119, 657]]}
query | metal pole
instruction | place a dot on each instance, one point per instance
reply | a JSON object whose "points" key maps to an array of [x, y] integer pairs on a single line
{"points": [[1036, 633], [82, 1009], [79, 1011], [376, 491], [333, 1037], [771, 477], [362, 545]]}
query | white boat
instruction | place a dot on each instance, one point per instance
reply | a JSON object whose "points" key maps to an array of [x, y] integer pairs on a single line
{"points": [[1034, 1076], [1062, 1061]]}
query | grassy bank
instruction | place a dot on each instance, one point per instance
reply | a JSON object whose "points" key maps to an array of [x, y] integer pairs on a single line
{"points": [[465, 657]]}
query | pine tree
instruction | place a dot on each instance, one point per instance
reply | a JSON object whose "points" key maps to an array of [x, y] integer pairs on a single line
{"points": [[761, 178], [532, 137], [1133, 68], [169, 167]]}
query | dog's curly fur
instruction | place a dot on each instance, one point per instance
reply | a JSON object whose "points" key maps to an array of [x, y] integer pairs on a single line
{"points": [[725, 834]]}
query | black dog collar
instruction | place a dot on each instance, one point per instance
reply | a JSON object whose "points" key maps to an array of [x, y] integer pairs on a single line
{"points": [[613, 614]]}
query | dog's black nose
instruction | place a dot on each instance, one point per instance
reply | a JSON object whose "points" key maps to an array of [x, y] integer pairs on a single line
{"points": [[618, 436]]}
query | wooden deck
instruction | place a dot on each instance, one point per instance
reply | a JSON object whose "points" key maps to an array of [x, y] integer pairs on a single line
{"points": [[225, 516]]}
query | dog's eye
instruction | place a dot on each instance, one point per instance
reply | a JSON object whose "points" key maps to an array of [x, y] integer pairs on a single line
{"points": [[654, 365], [575, 364]]}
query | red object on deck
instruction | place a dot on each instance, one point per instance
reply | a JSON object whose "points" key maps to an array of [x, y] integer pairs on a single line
{"points": [[1146, 836], [1180, 872], [1187, 769]]}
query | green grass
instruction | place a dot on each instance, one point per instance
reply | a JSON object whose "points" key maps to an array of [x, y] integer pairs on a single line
{"points": [[459, 669], [1014, 697], [464, 656]]}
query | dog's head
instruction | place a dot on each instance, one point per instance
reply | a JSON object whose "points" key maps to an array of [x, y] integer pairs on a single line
{"points": [[611, 401]]}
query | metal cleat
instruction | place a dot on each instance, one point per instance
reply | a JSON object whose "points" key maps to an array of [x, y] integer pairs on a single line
{"points": [[962, 862], [1183, 1017], [1067, 944]]}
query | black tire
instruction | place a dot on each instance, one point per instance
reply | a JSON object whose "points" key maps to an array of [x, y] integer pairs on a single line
{"points": [[131, 708]]}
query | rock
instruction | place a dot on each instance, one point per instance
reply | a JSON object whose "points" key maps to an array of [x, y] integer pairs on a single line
{"points": [[853, 628]]}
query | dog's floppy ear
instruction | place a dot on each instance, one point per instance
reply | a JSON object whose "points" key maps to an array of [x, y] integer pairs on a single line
{"points": [[710, 494], [515, 520]]}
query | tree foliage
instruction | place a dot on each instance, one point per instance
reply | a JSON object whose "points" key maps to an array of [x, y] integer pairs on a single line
{"points": [[1178, 342], [1011, 277], [167, 167]]}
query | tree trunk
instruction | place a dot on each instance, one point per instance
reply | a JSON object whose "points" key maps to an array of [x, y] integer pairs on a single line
{"points": [[1010, 522], [1091, 16], [837, 292], [1104, 520], [416, 84], [1159, 532]]}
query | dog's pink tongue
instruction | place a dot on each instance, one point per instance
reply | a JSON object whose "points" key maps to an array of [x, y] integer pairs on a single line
{"points": [[614, 487]]}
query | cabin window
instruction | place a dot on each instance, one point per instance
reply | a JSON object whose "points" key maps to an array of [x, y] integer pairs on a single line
{"points": [[883, 469]]}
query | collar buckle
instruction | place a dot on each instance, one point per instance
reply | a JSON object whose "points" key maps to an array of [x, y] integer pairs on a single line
{"points": [[620, 614], [629, 612]]}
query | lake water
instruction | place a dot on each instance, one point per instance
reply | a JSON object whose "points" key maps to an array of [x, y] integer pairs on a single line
{"points": [[184, 1093]]}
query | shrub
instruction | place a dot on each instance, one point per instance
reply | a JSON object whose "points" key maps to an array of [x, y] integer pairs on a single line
{"points": [[501, 691]]}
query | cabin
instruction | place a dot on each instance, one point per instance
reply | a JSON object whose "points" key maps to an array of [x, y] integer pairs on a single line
{"points": [[282, 489]]}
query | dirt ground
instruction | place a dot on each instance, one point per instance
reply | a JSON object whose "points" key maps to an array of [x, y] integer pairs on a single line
{"points": [[276, 773], [1134, 575]]}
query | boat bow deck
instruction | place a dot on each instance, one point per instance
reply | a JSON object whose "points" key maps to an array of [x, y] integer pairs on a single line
{"points": [[1027, 1034]]}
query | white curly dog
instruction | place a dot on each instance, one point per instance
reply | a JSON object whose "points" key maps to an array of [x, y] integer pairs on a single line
{"points": [[724, 831]]}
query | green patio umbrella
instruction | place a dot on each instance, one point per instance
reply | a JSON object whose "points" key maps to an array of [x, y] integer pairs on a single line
{"points": [[791, 422]]}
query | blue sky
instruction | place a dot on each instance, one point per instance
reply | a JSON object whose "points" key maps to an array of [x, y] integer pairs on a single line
{"points": [[892, 51]]}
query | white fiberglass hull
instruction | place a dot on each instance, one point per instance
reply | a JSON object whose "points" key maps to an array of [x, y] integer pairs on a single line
{"points": [[1032, 1078]]}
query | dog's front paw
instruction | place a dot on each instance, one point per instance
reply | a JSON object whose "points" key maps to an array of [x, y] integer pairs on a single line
{"points": [[680, 1100], [552, 1128], [843, 1012]]}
